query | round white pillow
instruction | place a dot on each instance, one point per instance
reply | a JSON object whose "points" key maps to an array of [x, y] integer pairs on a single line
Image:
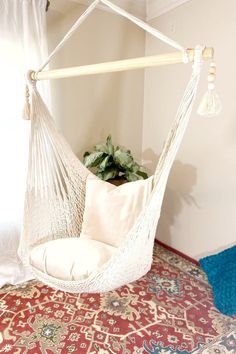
{"points": [[70, 258]]}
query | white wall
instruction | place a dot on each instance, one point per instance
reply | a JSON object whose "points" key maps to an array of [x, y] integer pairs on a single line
{"points": [[89, 108], [198, 215]]}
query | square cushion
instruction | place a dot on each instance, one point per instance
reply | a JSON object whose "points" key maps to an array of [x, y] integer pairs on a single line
{"points": [[70, 258], [221, 272], [111, 211]]}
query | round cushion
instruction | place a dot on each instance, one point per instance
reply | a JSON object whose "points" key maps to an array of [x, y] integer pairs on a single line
{"points": [[70, 258]]}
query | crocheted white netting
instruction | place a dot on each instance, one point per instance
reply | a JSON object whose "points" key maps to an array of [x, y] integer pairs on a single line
{"points": [[55, 197]]}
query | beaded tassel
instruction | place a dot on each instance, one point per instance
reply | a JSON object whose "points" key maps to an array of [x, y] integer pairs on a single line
{"points": [[210, 106]]}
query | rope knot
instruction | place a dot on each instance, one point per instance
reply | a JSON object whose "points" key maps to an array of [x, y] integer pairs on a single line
{"points": [[30, 83], [185, 57], [197, 63]]}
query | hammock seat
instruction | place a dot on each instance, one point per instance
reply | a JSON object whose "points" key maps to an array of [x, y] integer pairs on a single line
{"points": [[71, 258], [57, 241]]}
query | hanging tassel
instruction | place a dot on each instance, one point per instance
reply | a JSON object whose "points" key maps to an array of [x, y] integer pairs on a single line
{"points": [[210, 105], [26, 108]]}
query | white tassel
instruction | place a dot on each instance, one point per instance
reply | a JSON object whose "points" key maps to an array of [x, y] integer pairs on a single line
{"points": [[210, 105], [26, 108]]}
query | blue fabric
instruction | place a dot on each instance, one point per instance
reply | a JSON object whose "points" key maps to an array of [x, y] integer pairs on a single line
{"points": [[221, 273]]}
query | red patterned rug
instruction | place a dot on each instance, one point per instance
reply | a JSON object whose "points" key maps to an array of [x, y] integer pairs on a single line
{"points": [[170, 310]]}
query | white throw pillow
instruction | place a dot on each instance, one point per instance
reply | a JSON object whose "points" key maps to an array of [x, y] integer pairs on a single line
{"points": [[70, 258], [111, 211]]}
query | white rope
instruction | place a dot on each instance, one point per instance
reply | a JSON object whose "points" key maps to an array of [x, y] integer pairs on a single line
{"points": [[181, 120], [151, 30], [72, 30]]}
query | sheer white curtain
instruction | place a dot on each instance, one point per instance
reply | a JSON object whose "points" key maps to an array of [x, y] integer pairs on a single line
{"points": [[22, 46]]}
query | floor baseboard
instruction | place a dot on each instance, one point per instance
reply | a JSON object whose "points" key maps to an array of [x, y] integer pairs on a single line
{"points": [[177, 252]]}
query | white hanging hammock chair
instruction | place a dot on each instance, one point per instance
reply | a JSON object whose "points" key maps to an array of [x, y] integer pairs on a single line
{"points": [[55, 199]]}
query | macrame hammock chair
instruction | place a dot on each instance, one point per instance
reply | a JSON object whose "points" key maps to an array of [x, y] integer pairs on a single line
{"points": [[55, 195]]}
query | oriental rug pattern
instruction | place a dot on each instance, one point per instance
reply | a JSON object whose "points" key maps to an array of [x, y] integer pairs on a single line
{"points": [[169, 311]]}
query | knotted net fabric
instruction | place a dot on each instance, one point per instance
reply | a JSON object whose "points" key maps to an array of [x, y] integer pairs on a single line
{"points": [[56, 184]]}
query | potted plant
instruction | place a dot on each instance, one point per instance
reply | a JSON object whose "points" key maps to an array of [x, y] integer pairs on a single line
{"points": [[113, 164]]}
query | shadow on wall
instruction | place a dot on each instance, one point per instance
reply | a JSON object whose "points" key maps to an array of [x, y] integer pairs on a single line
{"points": [[178, 192]]}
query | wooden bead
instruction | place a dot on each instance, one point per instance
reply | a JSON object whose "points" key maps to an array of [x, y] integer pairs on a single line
{"points": [[212, 70], [211, 78]]}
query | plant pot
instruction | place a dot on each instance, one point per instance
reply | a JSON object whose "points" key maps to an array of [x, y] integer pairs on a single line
{"points": [[117, 181]]}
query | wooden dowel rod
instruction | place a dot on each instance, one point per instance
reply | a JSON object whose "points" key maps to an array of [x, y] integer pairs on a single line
{"points": [[121, 65]]}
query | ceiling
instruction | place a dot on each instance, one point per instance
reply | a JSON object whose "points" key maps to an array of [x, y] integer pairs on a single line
{"points": [[146, 9], [137, 7]]}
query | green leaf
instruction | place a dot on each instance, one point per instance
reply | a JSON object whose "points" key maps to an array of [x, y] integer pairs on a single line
{"points": [[86, 154], [134, 168], [109, 173], [102, 148], [123, 149], [132, 177], [105, 163], [93, 159], [109, 145], [142, 174], [124, 159]]}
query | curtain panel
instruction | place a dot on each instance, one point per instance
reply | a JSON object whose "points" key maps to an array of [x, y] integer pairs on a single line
{"points": [[23, 46]]}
